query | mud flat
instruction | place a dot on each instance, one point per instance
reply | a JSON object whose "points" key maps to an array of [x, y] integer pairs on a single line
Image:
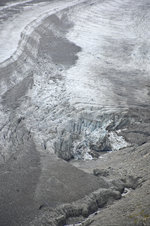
{"points": [[75, 113]]}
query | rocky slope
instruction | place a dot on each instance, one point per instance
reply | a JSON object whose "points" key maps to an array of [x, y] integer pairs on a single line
{"points": [[75, 87]]}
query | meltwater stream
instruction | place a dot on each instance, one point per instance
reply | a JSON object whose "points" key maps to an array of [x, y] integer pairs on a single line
{"points": [[74, 79]]}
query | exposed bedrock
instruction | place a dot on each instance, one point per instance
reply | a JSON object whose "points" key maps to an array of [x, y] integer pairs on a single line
{"points": [[79, 210], [76, 87]]}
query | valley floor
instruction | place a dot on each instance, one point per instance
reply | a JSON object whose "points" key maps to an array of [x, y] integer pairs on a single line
{"points": [[74, 112]]}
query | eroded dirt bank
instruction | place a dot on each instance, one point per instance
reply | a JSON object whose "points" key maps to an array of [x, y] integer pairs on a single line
{"points": [[75, 114]]}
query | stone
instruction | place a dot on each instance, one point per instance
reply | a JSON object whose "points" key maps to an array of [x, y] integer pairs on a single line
{"points": [[101, 172]]}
